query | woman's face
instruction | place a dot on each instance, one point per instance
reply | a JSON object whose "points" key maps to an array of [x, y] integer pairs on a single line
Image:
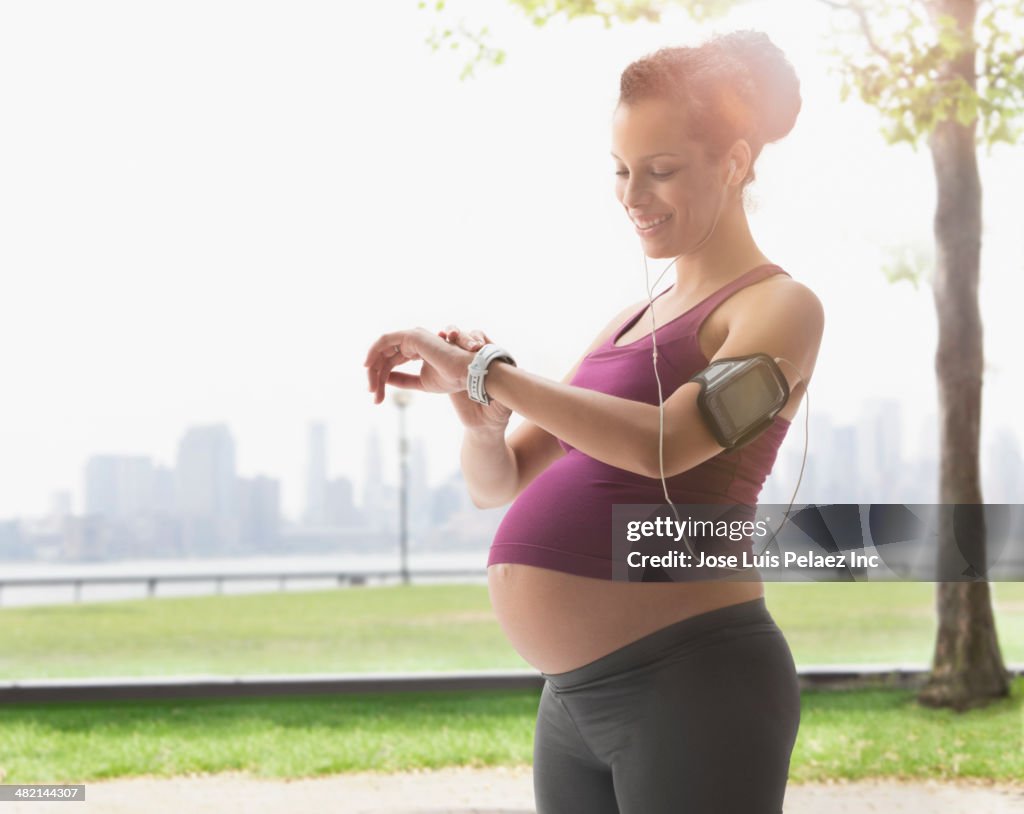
{"points": [[663, 180]]}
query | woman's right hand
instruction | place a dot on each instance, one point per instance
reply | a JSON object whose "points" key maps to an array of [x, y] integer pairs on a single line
{"points": [[473, 414]]}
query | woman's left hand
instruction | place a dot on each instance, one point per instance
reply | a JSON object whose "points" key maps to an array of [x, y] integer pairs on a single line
{"points": [[444, 365]]}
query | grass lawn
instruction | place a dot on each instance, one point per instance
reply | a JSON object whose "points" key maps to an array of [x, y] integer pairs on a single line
{"points": [[425, 627], [446, 627], [858, 734]]}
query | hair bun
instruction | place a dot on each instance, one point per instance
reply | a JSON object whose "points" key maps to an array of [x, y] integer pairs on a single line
{"points": [[778, 88]]}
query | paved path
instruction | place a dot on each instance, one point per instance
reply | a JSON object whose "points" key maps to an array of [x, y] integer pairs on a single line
{"points": [[480, 791]]}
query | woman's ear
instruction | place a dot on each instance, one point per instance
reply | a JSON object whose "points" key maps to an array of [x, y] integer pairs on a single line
{"points": [[741, 155]]}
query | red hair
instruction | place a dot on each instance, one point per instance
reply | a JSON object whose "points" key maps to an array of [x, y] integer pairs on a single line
{"points": [[736, 85]]}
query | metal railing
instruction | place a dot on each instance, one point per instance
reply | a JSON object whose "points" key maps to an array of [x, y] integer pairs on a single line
{"points": [[218, 578]]}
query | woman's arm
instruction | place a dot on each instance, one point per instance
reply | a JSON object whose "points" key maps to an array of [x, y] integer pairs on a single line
{"points": [[624, 433], [488, 467], [614, 430], [496, 471]]}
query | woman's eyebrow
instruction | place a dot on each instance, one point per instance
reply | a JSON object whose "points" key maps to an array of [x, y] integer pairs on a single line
{"points": [[644, 158]]}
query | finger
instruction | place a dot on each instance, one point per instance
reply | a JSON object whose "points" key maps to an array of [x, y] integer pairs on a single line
{"points": [[393, 356], [379, 368], [373, 371], [464, 340], [467, 342], [382, 380], [378, 349], [474, 340], [407, 381], [384, 372], [387, 343]]}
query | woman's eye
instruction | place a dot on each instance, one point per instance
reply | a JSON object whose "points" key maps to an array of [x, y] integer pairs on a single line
{"points": [[655, 174]]}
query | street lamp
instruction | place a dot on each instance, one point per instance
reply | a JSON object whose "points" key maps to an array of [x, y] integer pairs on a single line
{"points": [[402, 399]]}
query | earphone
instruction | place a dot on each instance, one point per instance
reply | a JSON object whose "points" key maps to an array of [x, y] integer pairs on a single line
{"points": [[661, 400]]}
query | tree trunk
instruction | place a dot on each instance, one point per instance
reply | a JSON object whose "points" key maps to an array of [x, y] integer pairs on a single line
{"points": [[967, 666]]}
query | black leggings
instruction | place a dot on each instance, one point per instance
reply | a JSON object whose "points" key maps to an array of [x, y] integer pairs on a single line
{"points": [[699, 717]]}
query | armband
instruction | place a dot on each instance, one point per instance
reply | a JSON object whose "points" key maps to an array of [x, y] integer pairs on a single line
{"points": [[740, 397]]}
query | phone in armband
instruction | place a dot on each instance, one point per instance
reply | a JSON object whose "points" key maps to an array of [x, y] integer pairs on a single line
{"points": [[740, 397]]}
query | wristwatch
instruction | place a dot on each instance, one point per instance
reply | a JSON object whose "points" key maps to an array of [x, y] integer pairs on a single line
{"points": [[478, 369]]}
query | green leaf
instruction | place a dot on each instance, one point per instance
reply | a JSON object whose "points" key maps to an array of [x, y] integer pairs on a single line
{"points": [[967, 110], [907, 262]]}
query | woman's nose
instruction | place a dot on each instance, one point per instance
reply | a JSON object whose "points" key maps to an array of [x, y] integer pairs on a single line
{"points": [[635, 194]]}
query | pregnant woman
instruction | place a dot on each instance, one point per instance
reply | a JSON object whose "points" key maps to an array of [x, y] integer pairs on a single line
{"points": [[659, 697]]}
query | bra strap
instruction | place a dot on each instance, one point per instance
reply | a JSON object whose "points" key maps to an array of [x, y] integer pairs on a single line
{"points": [[747, 278]]}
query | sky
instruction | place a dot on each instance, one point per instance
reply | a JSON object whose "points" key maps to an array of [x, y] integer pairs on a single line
{"points": [[209, 211]]}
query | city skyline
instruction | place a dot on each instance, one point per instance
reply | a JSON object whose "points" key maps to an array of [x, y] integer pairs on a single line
{"points": [[878, 442]]}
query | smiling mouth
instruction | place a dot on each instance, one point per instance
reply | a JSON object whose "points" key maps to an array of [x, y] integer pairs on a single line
{"points": [[652, 225]]}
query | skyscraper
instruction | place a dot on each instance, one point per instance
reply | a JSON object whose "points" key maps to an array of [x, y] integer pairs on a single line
{"points": [[259, 512], [341, 510], [207, 489], [380, 500], [316, 475], [119, 486], [420, 519], [1005, 470], [880, 452]]}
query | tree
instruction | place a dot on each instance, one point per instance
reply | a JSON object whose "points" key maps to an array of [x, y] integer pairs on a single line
{"points": [[919, 67]]}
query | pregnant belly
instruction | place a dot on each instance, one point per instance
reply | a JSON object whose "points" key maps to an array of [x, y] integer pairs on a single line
{"points": [[559, 621]]}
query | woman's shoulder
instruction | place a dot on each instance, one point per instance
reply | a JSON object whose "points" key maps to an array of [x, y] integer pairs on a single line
{"points": [[788, 305], [780, 299], [795, 294], [783, 290]]}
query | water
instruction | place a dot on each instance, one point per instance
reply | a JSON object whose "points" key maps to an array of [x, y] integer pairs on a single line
{"points": [[12, 596]]}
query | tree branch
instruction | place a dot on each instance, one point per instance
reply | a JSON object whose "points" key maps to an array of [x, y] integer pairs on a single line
{"points": [[865, 27]]}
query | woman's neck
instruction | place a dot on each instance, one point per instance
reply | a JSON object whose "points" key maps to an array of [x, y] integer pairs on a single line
{"points": [[730, 252]]}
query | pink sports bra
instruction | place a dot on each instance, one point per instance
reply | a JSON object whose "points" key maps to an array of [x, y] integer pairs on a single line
{"points": [[563, 519]]}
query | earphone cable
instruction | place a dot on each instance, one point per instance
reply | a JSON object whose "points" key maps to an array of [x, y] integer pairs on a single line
{"points": [[661, 414], [654, 357], [803, 461]]}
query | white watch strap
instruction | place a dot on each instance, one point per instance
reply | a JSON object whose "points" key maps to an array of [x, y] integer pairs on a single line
{"points": [[478, 369]]}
